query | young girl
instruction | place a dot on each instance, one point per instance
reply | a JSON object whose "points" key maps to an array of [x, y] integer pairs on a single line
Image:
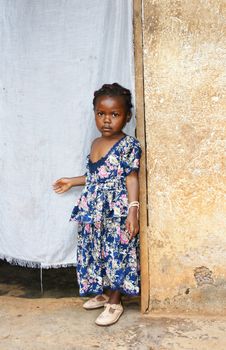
{"points": [[107, 210]]}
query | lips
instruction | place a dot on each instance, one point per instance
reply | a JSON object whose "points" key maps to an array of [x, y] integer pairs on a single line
{"points": [[106, 129]]}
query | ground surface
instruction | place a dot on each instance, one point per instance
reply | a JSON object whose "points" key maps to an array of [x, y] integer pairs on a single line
{"points": [[30, 321]]}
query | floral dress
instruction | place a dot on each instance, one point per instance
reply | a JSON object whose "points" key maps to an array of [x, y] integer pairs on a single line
{"points": [[106, 258]]}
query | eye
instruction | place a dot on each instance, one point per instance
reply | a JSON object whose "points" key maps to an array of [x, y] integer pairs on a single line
{"points": [[100, 114], [115, 114]]}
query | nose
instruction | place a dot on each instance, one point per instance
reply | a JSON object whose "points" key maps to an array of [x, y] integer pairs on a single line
{"points": [[107, 119]]}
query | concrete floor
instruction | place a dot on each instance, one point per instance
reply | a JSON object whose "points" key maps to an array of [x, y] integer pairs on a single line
{"points": [[57, 321]]}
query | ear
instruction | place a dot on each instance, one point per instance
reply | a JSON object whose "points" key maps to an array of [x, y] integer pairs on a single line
{"points": [[129, 116]]}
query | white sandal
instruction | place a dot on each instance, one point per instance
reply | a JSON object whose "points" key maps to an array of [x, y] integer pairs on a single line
{"points": [[94, 303], [110, 315]]}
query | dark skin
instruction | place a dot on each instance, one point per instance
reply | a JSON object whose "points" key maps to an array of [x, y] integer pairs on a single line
{"points": [[111, 116]]}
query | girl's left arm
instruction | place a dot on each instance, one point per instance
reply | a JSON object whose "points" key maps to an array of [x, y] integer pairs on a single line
{"points": [[132, 184]]}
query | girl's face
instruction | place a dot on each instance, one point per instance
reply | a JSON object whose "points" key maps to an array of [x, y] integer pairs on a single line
{"points": [[111, 115]]}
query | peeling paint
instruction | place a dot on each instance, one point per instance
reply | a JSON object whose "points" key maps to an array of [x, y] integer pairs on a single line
{"points": [[203, 276]]}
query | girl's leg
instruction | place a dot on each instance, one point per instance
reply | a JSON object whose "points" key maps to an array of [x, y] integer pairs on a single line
{"points": [[115, 297]]}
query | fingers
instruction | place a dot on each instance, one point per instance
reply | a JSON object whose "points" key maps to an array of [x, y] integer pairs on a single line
{"points": [[56, 182], [130, 230], [60, 181], [133, 231], [58, 188], [132, 234], [56, 185]]}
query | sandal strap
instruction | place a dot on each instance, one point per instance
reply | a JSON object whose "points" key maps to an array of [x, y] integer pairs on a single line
{"points": [[113, 306], [103, 295]]}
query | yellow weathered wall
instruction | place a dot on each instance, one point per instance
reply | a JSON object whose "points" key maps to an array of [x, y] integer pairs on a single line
{"points": [[184, 81]]}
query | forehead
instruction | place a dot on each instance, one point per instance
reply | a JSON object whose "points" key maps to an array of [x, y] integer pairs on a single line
{"points": [[110, 102]]}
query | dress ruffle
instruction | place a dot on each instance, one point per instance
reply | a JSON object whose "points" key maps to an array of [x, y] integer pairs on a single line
{"points": [[107, 201]]}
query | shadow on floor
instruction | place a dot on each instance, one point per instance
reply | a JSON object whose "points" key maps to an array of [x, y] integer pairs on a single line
{"points": [[25, 282]]}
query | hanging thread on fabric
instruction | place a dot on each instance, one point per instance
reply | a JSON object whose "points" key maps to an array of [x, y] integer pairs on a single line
{"points": [[41, 283]]}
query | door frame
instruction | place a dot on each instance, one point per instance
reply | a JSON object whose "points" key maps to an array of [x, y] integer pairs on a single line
{"points": [[141, 135]]}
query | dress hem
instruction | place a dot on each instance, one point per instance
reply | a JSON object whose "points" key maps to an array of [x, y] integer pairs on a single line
{"points": [[112, 289]]}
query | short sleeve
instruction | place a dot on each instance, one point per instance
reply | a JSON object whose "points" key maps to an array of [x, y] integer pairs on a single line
{"points": [[131, 157]]}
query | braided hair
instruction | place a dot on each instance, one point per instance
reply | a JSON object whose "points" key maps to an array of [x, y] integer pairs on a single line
{"points": [[115, 90]]}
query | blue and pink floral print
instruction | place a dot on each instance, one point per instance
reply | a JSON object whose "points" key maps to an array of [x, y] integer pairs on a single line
{"points": [[106, 258]]}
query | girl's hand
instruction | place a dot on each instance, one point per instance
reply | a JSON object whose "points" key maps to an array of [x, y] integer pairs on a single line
{"points": [[62, 185], [132, 224]]}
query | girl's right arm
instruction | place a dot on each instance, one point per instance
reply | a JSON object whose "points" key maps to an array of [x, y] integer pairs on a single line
{"points": [[65, 183]]}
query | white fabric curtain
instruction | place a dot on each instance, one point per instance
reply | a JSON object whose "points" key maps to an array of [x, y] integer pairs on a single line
{"points": [[54, 54]]}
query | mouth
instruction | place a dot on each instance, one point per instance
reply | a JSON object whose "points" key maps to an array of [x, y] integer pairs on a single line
{"points": [[106, 129]]}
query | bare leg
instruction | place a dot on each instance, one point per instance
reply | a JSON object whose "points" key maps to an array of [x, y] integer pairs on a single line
{"points": [[115, 297]]}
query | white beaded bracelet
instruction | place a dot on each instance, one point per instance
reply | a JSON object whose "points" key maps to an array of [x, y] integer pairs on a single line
{"points": [[134, 204]]}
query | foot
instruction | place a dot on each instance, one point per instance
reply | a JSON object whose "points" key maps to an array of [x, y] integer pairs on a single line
{"points": [[96, 302], [110, 315]]}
